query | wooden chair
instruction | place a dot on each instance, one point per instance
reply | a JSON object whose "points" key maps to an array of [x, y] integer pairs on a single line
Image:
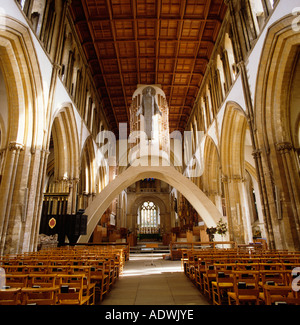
{"points": [[100, 279], [42, 280], [118, 263], [58, 269], [88, 285], [208, 277], [108, 270], [291, 274], [199, 271], [40, 295], [247, 266], [14, 269], [184, 259], [221, 287], [272, 277], [36, 269], [270, 266], [189, 264], [16, 280], [280, 294], [277, 277], [245, 288], [71, 290], [10, 296]]}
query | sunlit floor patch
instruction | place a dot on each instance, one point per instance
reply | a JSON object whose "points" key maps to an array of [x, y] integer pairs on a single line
{"points": [[147, 264], [151, 280]]}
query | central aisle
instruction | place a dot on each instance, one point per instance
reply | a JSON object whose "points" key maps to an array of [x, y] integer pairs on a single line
{"points": [[153, 281]]}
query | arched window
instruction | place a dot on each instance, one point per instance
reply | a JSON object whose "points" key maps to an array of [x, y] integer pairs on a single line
{"points": [[148, 218], [258, 14], [230, 56], [220, 68], [205, 117]]}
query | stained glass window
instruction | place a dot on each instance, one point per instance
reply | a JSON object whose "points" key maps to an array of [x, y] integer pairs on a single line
{"points": [[148, 219]]}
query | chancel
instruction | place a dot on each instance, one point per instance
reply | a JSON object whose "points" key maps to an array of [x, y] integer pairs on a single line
{"points": [[149, 144]]}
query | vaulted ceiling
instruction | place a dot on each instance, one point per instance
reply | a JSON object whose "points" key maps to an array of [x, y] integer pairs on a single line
{"points": [[131, 42]]}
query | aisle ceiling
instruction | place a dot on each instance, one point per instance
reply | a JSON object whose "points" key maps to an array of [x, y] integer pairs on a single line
{"points": [[131, 42]]}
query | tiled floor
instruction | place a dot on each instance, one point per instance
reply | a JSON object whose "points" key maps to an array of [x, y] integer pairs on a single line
{"points": [[153, 281]]}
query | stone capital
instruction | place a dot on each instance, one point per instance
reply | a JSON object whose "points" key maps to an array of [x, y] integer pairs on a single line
{"points": [[238, 178], [14, 146], [284, 147], [224, 179], [256, 153], [240, 64]]}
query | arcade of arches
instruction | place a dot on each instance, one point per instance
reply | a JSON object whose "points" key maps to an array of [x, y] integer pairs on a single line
{"points": [[225, 125]]}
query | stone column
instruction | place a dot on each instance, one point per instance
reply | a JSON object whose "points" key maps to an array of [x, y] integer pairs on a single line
{"points": [[236, 219], [7, 189], [292, 180], [165, 221], [35, 225], [228, 209], [73, 183], [246, 216], [131, 222], [261, 174]]}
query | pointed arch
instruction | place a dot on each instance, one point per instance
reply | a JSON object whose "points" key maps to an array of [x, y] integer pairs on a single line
{"points": [[211, 175], [22, 75], [25, 122], [205, 208], [64, 144], [274, 80], [274, 94], [232, 141], [87, 181]]}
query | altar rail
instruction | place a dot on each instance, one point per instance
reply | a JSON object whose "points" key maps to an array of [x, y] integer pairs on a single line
{"points": [[176, 248]]}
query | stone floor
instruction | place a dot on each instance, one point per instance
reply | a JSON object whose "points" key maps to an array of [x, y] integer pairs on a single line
{"points": [[149, 280]]}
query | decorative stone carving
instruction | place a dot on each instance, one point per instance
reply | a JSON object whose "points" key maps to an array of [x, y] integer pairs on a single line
{"points": [[256, 154], [15, 146], [284, 147], [45, 241]]}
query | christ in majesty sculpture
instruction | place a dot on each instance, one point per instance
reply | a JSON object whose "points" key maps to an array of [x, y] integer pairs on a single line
{"points": [[148, 109]]}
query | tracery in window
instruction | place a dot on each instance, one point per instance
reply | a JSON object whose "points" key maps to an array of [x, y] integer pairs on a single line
{"points": [[148, 218]]}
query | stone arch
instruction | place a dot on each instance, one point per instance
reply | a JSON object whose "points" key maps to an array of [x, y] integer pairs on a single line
{"points": [[208, 211], [274, 81], [232, 141], [21, 71], [211, 175], [88, 180], [273, 99], [232, 149], [64, 138], [24, 146], [88, 154]]}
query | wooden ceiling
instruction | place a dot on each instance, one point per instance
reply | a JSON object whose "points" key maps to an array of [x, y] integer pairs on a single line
{"points": [[131, 42]]}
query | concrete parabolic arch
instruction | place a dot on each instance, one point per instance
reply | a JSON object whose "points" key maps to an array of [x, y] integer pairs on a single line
{"points": [[202, 204]]}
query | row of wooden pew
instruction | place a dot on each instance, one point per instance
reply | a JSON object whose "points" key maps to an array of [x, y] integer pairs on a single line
{"points": [[233, 277], [62, 276]]}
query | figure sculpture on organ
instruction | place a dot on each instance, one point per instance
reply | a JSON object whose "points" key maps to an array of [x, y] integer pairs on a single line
{"points": [[148, 109]]}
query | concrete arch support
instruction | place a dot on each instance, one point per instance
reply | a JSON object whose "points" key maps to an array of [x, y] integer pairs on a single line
{"points": [[208, 211]]}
